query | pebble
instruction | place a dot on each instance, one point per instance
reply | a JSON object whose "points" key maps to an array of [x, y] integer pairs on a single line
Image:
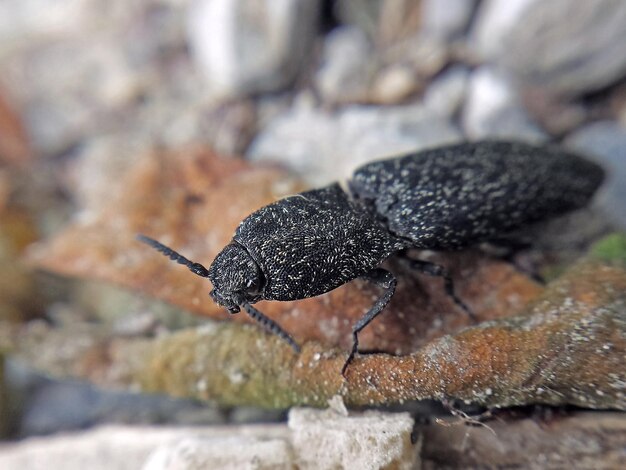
{"points": [[347, 66], [446, 19], [446, 94], [394, 84], [493, 109], [494, 20], [606, 141], [50, 406], [246, 47], [331, 439]]}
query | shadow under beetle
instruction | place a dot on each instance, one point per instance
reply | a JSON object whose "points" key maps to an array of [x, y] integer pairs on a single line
{"points": [[442, 199]]}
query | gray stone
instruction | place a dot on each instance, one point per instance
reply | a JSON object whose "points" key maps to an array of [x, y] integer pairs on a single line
{"points": [[446, 19], [323, 146], [567, 48], [445, 95], [347, 66], [352, 72], [249, 46], [364, 14], [606, 141], [493, 109], [493, 22], [41, 405], [405, 38]]}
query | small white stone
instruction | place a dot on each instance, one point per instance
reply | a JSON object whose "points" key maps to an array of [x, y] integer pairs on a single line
{"points": [[446, 93], [246, 46], [347, 66], [494, 20], [446, 18], [493, 109], [372, 440]]}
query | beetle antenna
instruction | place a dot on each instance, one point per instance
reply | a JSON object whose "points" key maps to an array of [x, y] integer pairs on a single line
{"points": [[195, 268], [270, 325]]}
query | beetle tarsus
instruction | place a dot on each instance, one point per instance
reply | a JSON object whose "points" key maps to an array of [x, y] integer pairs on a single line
{"points": [[382, 278]]}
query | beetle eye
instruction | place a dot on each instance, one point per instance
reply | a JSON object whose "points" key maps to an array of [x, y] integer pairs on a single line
{"points": [[233, 309], [252, 286]]}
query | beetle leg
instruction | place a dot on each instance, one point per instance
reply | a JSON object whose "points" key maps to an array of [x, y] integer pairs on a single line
{"points": [[432, 269], [270, 325], [381, 278], [509, 250]]}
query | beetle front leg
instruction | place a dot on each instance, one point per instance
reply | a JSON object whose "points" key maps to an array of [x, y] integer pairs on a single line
{"points": [[432, 269], [382, 278]]}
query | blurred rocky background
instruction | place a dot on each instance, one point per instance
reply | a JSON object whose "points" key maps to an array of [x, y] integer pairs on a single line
{"points": [[177, 118]]}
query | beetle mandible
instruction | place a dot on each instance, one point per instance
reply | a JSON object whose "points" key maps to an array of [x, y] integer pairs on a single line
{"points": [[443, 199]]}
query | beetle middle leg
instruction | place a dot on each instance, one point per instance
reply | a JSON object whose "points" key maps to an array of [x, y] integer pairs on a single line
{"points": [[509, 248], [433, 269], [382, 278]]}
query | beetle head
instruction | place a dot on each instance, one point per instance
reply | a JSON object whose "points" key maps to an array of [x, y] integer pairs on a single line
{"points": [[236, 278]]}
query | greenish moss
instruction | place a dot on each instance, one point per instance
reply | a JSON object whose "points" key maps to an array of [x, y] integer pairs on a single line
{"points": [[611, 248]]}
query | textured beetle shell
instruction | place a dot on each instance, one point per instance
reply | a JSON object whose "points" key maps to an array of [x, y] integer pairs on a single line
{"points": [[313, 242], [457, 196]]}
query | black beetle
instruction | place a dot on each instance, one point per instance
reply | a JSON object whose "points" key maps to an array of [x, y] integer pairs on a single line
{"points": [[446, 198]]}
